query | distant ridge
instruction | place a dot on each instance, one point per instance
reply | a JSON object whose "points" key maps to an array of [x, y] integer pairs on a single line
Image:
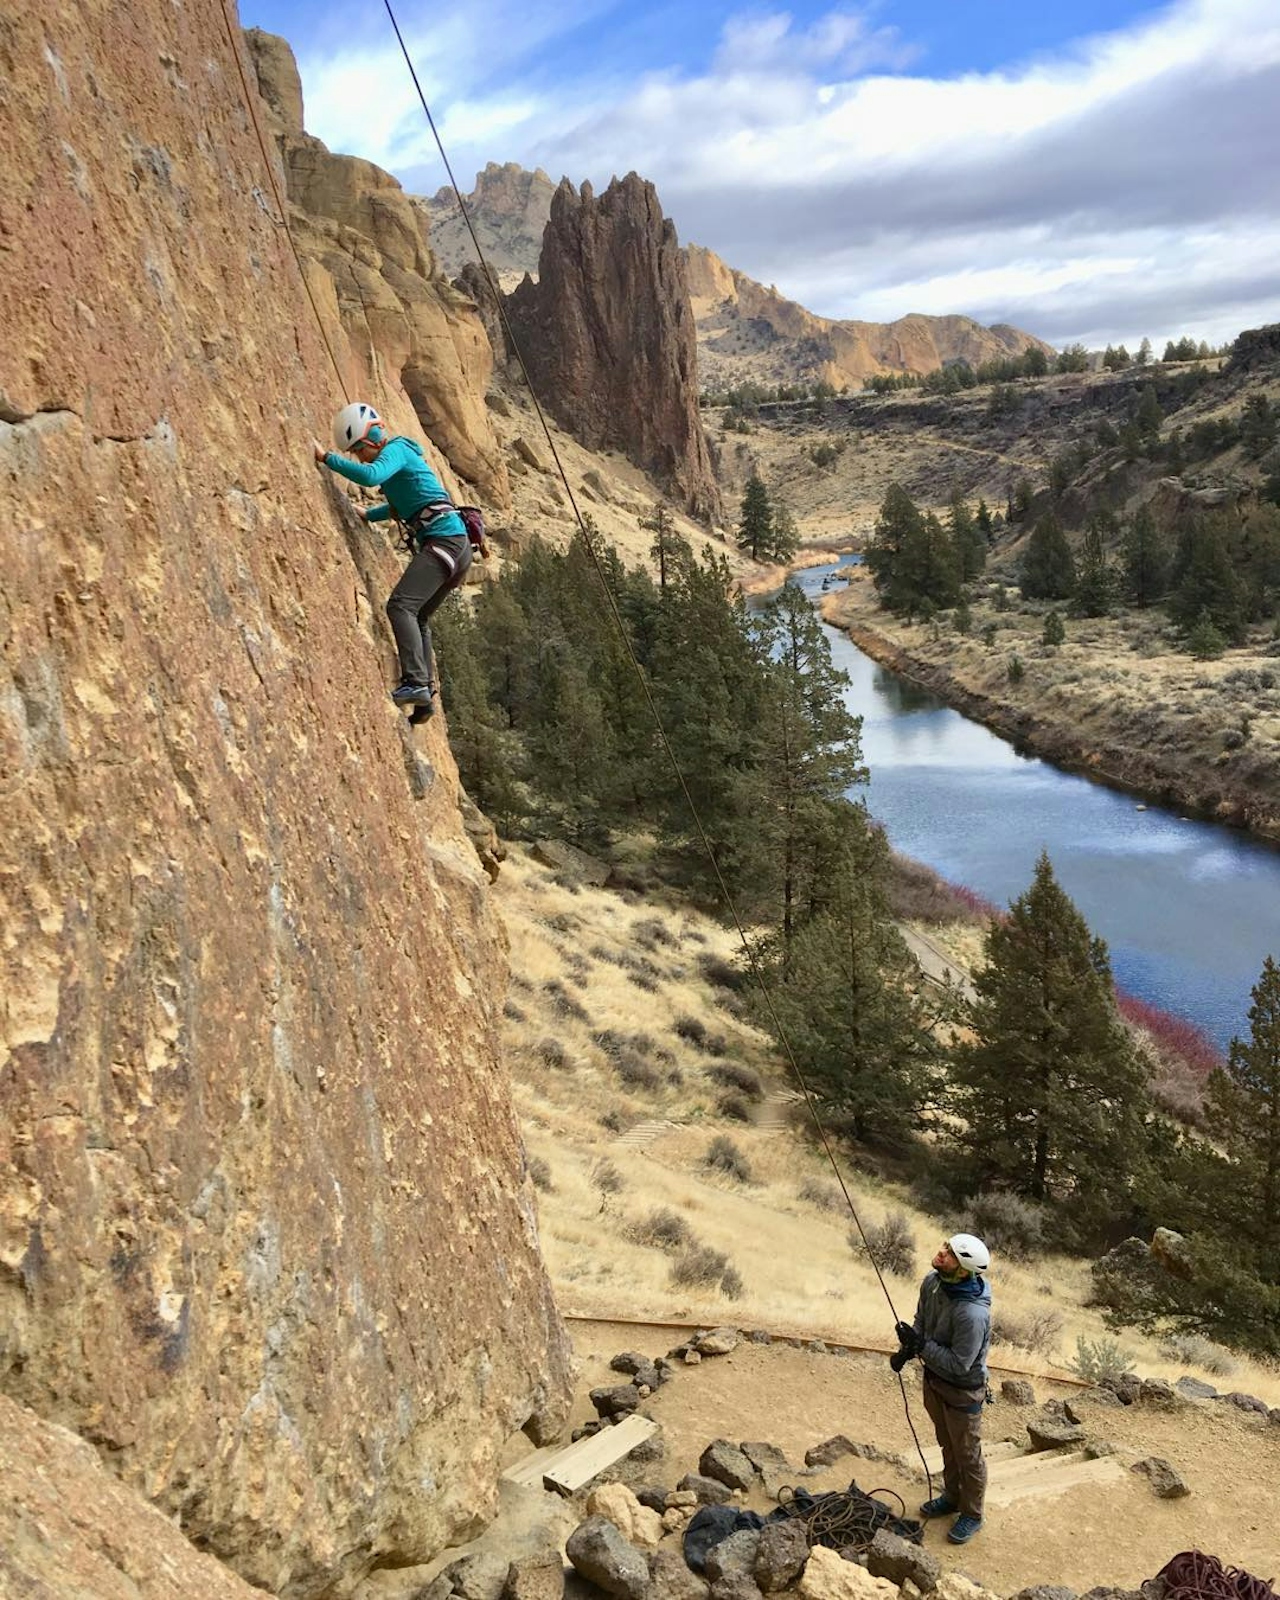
{"points": [[745, 331]]}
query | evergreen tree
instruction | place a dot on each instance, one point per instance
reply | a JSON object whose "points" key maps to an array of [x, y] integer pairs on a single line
{"points": [[755, 522], [1050, 1087], [666, 544], [982, 519], [1204, 579], [785, 538], [1075, 358], [1149, 417], [967, 539], [1145, 560], [899, 526], [1257, 426], [1054, 632], [851, 1013], [1242, 1118], [1143, 357], [1048, 568], [1095, 582]]}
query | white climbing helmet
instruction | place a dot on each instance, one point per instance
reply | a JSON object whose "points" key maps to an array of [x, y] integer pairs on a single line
{"points": [[971, 1253], [353, 423]]}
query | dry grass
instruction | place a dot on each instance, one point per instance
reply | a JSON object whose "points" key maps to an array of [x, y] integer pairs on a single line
{"points": [[783, 1238]]}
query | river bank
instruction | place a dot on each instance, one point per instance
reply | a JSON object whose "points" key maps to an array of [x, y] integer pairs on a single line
{"points": [[1116, 701]]}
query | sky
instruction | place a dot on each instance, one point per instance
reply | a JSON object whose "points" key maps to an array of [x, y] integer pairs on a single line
{"points": [[1088, 170]]}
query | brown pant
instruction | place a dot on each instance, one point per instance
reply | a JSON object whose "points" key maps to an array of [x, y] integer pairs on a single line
{"points": [[957, 1421]]}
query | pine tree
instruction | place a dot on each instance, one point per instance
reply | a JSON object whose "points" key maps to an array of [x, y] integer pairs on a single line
{"points": [[897, 527], [1054, 632], [1050, 1088], [968, 539], [785, 538], [755, 522], [1149, 416], [1145, 558], [1143, 357], [1095, 582], [666, 544], [982, 518], [1205, 581], [1048, 568], [1242, 1117]]}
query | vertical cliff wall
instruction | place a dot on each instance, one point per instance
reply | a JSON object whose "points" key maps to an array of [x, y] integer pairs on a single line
{"points": [[265, 1237], [608, 335]]}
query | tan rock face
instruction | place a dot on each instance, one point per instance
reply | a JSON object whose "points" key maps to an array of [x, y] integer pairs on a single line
{"points": [[410, 335], [69, 1530], [608, 335], [264, 1232], [508, 207]]}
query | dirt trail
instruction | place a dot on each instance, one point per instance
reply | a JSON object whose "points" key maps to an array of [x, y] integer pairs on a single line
{"points": [[1114, 1534]]}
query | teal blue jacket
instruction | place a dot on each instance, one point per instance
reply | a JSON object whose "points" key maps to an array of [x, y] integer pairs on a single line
{"points": [[407, 480]]}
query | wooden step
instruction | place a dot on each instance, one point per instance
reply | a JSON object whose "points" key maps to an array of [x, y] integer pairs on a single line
{"points": [[1001, 1450], [1074, 1473], [565, 1468], [643, 1133]]}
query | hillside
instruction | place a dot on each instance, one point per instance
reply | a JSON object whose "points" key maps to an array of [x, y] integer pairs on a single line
{"points": [[745, 331]]}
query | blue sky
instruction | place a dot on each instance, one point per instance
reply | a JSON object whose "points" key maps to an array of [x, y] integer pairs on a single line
{"points": [[1094, 171]]}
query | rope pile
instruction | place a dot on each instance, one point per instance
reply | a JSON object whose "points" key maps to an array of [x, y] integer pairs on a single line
{"points": [[1192, 1575], [849, 1519]]}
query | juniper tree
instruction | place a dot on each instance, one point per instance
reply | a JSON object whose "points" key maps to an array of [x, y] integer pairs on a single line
{"points": [[1095, 582], [968, 539], [1048, 568], [755, 520], [1050, 1087], [1145, 559], [1204, 579], [899, 524]]}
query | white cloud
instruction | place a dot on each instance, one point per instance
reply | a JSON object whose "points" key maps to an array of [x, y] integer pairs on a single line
{"points": [[1130, 177]]}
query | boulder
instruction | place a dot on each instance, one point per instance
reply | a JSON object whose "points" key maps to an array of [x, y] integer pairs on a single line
{"points": [[570, 862], [733, 1557], [1248, 1403], [536, 1577], [1018, 1392], [898, 1559], [738, 1586], [654, 1497], [772, 1465], [619, 1400], [727, 1464], [671, 1579], [1173, 1252], [780, 1555], [639, 1524], [710, 1491], [827, 1577], [719, 1342], [1097, 1448], [1164, 1479], [829, 1451], [1195, 1388], [603, 1557], [1045, 1591], [1159, 1392], [1049, 1432], [482, 1575], [952, 1586]]}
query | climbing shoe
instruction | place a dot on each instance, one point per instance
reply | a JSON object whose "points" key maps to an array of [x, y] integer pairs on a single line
{"points": [[939, 1506], [423, 712], [412, 694], [964, 1528]]}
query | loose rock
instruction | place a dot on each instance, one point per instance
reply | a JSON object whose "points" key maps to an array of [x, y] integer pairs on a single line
{"points": [[827, 1577], [618, 1401], [897, 1559], [672, 1580], [1047, 1432], [710, 1491], [603, 1557], [780, 1555], [1195, 1388], [480, 1576], [1165, 1481], [1018, 1392], [726, 1463], [830, 1450], [1045, 1591], [719, 1342], [539, 1577], [636, 1523], [1246, 1402], [734, 1557]]}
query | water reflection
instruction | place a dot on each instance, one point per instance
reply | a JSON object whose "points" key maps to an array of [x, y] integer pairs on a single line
{"points": [[1189, 909]]}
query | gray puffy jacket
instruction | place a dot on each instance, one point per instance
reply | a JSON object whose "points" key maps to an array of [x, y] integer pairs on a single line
{"points": [[954, 1324]]}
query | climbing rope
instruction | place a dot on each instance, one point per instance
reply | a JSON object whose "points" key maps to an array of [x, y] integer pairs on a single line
{"points": [[589, 542], [848, 1519], [1192, 1575]]}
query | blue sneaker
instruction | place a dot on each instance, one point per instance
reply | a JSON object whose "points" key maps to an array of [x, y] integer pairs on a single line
{"points": [[964, 1528], [939, 1506], [412, 694]]}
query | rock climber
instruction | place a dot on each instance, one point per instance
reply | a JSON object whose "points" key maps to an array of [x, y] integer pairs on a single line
{"points": [[951, 1335], [441, 550]]}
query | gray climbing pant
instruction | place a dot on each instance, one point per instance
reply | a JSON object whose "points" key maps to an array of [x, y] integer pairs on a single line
{"points": [[439, 566], [956, 1415]]}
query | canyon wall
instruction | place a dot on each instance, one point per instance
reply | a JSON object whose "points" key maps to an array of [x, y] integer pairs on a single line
{"points": [[266, 1239]]}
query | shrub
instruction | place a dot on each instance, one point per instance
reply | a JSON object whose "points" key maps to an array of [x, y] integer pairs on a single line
{"points": [[826, 1196], [562, 1002], [1101, 1360], [636, 1072], [540, 1174], [606, 1178], [1198, 1352], [512, 1012], [613, 1122], [1014, 670], [731, 1284], [721, 973], [1038, 1333], [691, 1031], [724, 1156], [662, 1229], [1054, 632], [552, 1053], [891, 1244], [649, 931], [734, 1106], [1008, 1225], [699, 1267], [730, 1075], [642, 980]]}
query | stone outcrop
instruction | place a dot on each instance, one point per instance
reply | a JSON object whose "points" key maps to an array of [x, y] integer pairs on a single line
{"points": [[607, 333], [508, 207], [370, 260], [265, 1234], [746, 330]]}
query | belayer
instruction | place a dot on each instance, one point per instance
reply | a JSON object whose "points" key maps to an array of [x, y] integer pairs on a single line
{"points": [[951, 1335], [441, 550]]}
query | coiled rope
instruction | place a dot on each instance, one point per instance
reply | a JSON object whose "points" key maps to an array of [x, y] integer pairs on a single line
{"points": [[1192, 1575], [848, 1519]]}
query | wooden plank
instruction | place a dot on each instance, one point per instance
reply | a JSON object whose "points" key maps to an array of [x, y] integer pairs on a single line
{"points": [[1046, 1485], [555, 1464], [582, 1461], [1032, 1463]]}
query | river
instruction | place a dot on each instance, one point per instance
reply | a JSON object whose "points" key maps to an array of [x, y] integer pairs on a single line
{"points": [[1189, 909]]}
